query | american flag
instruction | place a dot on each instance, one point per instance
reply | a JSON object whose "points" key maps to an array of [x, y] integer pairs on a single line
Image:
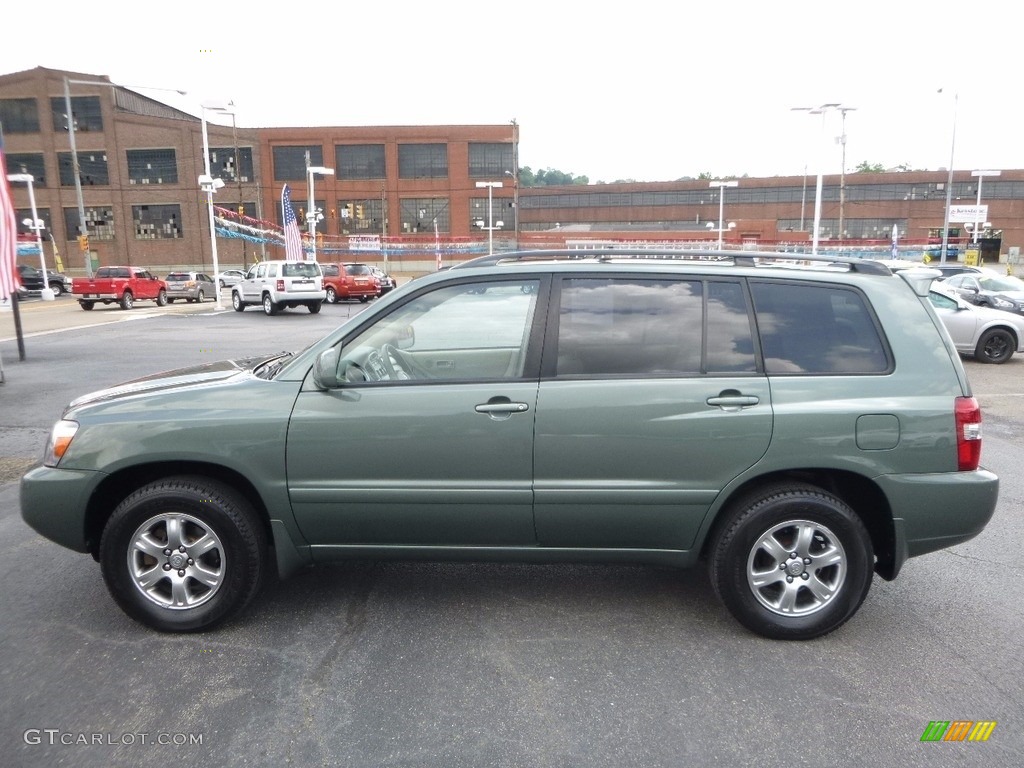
{"points": [[8, 233], [292, 239], [895, 242]]}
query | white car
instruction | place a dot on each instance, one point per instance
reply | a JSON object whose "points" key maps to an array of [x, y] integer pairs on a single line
{"points": [[278, 285], [230, 277], [989, 335]]}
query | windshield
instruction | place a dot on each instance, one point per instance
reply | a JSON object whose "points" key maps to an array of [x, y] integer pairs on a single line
{"points": [[357, 269]]}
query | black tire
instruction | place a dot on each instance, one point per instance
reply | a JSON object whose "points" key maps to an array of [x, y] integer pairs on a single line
{"points": [[170, 301], [217, 567], [86, 305], [774, 594], [313, 307], [57, 288], [201, 297], [364, 299], [236, 302], [996, 345], [332, 295], [269, 307], [127, 300], [161, 298]]}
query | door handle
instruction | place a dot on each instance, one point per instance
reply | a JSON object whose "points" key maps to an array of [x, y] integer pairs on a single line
{"points": [[507, 408], [731, 400]]}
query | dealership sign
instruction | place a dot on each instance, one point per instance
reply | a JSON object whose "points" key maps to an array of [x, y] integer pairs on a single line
{"points": [[968, 214]]}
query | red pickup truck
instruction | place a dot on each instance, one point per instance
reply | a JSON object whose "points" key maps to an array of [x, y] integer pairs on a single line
{"points": [[124, 285]]}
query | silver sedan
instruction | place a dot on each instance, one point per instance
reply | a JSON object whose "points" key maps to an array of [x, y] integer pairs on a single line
{"points": [[989, 335]]}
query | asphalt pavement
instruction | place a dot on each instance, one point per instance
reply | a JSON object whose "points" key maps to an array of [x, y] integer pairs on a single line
{"points": [[441, 664]]}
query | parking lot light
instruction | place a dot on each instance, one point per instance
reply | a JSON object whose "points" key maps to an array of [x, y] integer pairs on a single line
{"points": [[36, 225]]}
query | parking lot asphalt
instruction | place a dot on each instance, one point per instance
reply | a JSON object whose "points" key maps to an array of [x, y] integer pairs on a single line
{"points": [[461, 664]]}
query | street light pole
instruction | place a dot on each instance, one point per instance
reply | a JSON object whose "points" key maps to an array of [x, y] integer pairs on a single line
{"points": [[842, 173], [82, 231], [822, 110], [977, 208], [209, 185], [490, 211], [312, 214], [721, 187], [36, 225], [949, 184]]}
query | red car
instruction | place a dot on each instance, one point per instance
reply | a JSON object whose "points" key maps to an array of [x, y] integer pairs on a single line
{"points": [[349, 281]]}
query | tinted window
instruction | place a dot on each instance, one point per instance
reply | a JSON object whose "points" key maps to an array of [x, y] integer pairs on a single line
{"points": [[629, 327], [357, 269], [330, 270], [816, 329]]}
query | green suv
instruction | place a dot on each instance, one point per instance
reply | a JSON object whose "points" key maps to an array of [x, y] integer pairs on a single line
{"points": [[796, 426]]}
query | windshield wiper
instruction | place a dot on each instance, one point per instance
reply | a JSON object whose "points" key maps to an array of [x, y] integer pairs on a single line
{"points": [[268, 368]]}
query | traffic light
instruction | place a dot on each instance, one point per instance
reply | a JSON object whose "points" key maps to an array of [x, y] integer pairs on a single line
{"points": [[241, 211], [348, 211], [83, 243], [359, 212]]}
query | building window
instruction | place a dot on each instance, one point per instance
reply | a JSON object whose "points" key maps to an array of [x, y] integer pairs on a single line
{"points": [[24, 214], [490, 161], [99, 223], [222, 164], [86, 109], [157, 222], [92, 167], [30, 162], [359, 217], [152, 166], [19, 115], [501, 209], [290, 162], [423, 161], [419, 214], [360, 161]]}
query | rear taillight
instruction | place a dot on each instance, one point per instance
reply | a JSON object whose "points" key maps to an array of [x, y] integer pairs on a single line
{"points": [[280, 285], [968, 433]]}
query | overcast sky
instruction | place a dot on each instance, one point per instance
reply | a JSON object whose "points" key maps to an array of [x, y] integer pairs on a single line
{"points": [[651, 91]]}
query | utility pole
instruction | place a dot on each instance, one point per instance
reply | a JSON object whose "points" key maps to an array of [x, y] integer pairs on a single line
{"points": [[842, 172]]}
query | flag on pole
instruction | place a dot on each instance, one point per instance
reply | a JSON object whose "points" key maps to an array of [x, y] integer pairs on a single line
{"points": [[8, 234], [895, 242], [292, 239]]}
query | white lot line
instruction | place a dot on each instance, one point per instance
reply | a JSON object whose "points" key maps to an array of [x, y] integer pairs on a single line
{"points": [[135, 315]]}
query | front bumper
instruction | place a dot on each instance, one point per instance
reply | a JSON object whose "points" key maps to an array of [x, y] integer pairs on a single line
{"points": [[54, 503]]}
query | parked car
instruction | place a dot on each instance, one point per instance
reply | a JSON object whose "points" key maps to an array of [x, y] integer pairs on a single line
{"points": [[795, 428], [990, 289], [988, 335], [349, 281], [277, 285], [950, 268], [191, 286], [385, 282], [32, 280], [230, 277], [123, 285]]}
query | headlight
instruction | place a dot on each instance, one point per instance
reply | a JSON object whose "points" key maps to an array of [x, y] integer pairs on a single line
{"points": [[1002, 303], [61, 435]]}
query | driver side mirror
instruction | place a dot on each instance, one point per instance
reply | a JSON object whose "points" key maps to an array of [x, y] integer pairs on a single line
{"points": [[325, 369]]}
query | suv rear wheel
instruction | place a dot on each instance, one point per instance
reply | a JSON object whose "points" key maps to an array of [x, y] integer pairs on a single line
{"points": [[269, 307], [792, 562], [332, 295], [183, 553]]}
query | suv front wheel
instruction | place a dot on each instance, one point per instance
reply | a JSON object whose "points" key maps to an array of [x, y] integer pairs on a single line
{"points": [[183, 553], [236, 302], [792, 562]]}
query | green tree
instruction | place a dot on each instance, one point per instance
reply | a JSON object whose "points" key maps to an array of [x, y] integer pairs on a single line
{"points": [[865, 167], [548, 177]]}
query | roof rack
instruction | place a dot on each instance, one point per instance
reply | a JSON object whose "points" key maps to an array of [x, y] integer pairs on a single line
{"points": [[737, 258]]}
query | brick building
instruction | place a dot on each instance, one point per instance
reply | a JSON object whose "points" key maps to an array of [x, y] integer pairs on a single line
{"points": [[416, 189]]}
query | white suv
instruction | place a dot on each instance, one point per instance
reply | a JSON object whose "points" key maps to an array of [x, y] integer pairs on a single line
{"points": [[279, 285]]}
